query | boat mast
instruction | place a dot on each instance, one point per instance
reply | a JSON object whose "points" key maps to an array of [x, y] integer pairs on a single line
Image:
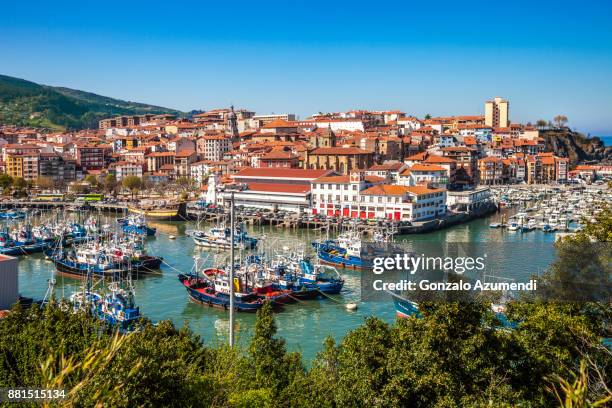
{"points": [[231, 273]]}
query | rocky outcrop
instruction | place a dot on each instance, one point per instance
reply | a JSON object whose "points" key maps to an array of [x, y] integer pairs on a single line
{"points": [[577, 147]]}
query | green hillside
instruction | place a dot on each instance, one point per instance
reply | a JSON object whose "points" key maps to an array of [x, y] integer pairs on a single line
{"points": [[26, 103]]}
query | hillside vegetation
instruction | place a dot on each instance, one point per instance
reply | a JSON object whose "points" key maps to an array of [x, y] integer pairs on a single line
{"points": [[26, 103]]}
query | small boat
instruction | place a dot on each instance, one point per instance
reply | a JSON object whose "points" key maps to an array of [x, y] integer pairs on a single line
{"points": [[136, 225], [220, 238], [495, 225], [513, 226], [326, 278]]}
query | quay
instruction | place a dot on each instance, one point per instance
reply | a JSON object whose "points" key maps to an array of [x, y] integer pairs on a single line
{"points": [[367, 227]]}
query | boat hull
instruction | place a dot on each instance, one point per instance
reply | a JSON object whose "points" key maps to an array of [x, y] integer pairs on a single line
{"points": [[216, 300], [404, 307], [163, 214]]}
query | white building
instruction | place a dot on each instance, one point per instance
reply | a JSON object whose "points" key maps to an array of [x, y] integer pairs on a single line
{"points": [[420, 173], [351, 125], [359, 196], [126, 169], [467, 200], [335, 195], [198, 171], [213, 147], [414, 203]]}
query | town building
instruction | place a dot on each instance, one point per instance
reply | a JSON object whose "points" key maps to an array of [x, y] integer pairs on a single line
{"points": [[213, 147], [491, 170], [126, 169], [273, 188], [496, 113], [56, 167]]}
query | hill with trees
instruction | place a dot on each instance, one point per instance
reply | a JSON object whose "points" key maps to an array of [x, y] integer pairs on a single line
{"points": [[25, 103]]}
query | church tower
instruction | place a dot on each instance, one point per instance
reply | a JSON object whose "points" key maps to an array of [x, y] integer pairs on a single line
{"points": [[326, 139], [232, 126]]}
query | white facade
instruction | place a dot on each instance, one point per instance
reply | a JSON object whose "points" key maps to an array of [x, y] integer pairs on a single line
{"points": [[199, 171], [123, 170], [337, 124], [468, 199], [213, 148]]}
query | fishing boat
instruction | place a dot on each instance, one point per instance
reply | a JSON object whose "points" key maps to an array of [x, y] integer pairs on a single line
{"points": [[86, 260], [161, 211], [345, 251], [116, 307], [12, 215], [326, 278], [212, 288], [404, 307], [132, 251], [136, 224], [21, 242], [282, 275], [220, 238]]}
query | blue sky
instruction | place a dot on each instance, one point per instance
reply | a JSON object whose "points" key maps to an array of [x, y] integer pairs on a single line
{"points": [[442, 58]]}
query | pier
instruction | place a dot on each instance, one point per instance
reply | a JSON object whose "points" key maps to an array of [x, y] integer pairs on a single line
{"points": [[367, 227]]}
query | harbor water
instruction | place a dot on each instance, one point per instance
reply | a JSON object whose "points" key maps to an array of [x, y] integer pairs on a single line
{"points": [[305, 324]]}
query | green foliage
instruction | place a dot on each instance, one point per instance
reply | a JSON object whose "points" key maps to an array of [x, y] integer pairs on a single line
{"points": [[26, 103], [19, 183], [92, 180], [132, 183], [110, 183], [5, 181]]}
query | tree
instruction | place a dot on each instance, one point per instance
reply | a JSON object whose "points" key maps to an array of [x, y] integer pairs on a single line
{"points": [[427, 116], [92, 180], [5, 181], [44, 182], [185, 183], [132, 183], [541, 123], [19, 183], [110, 183], [560, 120]]}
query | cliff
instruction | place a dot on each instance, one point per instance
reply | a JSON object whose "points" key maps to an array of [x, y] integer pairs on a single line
{"points": [[577, 147]]}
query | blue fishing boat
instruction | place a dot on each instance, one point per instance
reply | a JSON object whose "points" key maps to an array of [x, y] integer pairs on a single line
{"points": [[345, 251], [136, 224], [84, 261], [325, 278], [22, 243], [406, 308], [117, 307], [12, 215]]}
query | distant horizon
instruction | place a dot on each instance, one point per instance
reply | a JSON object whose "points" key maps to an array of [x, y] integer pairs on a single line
{"points": [[322, 56]]}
